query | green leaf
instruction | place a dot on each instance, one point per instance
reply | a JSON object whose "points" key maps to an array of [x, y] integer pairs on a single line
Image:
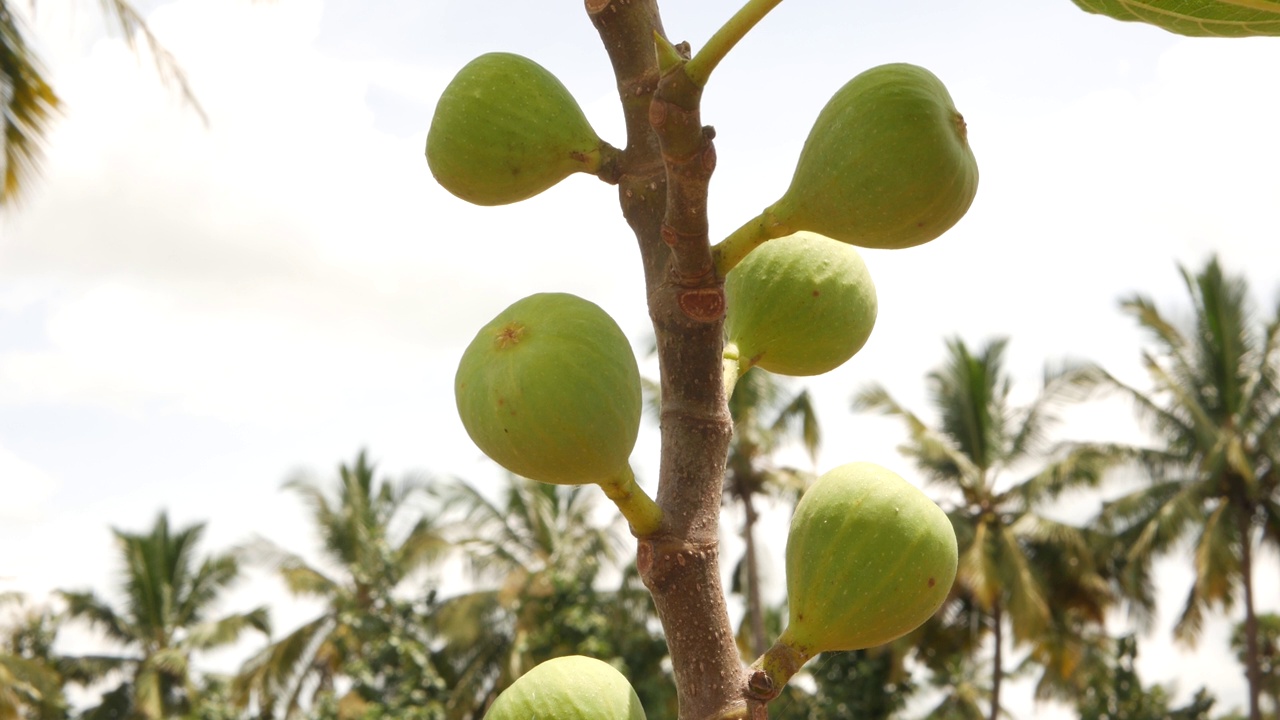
{"points": [[1197, 18]]}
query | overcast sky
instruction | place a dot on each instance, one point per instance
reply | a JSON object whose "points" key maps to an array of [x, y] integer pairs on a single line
{"points": [[189, 314]]}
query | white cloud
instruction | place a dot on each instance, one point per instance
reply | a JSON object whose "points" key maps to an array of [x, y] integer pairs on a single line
{"points": [[25, 488]]}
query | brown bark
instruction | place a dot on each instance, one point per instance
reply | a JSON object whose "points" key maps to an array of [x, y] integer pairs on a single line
{"points": [[997, 670], [1252, 672], [663, 176]]}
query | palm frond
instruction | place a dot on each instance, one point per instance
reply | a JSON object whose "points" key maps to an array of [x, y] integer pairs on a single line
{"points": [[969, 392], [799, 418], [1165, 422], [133, 28], [1260, 404], [1028, 608], [89, 669], [1062, 382], [940, 458], [278, 671], [1195, 427], [1165, 333], [978, 568], [197, 592], [425, 543], [1224, 341], [1217, 569], [29, 107], [465, 620], [487, 534], [87, 606], [1077, 466], [227, 630]]}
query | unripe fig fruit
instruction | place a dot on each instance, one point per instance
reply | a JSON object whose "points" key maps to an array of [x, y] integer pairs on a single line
{"points": [[869, 559], [550, 390], [799, 305], [506, 129], [886, 165], [568, 688]]}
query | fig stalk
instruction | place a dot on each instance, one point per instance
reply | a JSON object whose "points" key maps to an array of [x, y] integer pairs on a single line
{"points": [[732, 369], [729, 252], [779, 664], [637, 507]]}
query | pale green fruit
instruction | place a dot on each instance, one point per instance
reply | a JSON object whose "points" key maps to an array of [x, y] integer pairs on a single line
{"points": [[799, 305], [506, 129], [886, 165], [869, 559], [568, 688], [550, 390]]}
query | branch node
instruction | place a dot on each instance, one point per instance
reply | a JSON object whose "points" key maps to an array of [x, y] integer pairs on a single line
{"points": [[761, 686]]}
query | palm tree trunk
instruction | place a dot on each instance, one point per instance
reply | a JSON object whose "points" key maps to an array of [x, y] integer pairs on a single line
{"points": [[997, 670], [755, 609], [1252, 670]]}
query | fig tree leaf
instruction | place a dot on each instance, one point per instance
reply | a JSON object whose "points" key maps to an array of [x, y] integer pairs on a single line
{"points": [[1196, 18]]}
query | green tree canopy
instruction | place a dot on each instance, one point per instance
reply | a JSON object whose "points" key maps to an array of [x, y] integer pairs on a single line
{"points": [[31, 682], [164, 617], [373, 540]]}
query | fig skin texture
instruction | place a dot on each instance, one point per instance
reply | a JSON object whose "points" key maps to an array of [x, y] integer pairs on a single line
{"points": [[550, 390], [886, 165], [573, 687], [505, 129], [869, 559], [799, 305]]}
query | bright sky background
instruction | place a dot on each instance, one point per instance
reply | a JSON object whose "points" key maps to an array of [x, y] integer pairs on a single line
{"points": [[188, 314]]}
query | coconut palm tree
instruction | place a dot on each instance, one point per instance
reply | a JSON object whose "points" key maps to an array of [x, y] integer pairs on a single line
{"points": [[373, 540], [28, 102], [999, 474], [766, 416], [164, 619], [538, 551], [1213, 410]]}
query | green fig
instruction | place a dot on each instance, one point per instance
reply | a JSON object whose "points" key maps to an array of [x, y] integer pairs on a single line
{"points": [[886, 165], [573, 687], [869, 558], [550, 390], [799, 305], [506, 129]]}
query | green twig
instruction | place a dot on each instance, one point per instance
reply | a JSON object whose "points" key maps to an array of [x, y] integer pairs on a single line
{"points": [[699, 68]]}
